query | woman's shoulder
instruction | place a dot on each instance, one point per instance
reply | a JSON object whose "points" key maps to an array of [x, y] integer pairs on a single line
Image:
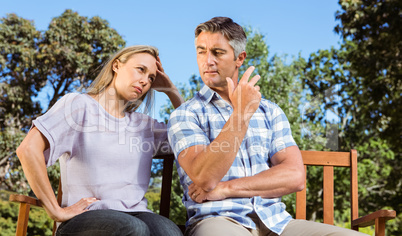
{"points": [[77, 100], [71, 103]]}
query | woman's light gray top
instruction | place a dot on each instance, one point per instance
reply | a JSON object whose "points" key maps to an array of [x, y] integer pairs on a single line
{"points": [[100, 155]]}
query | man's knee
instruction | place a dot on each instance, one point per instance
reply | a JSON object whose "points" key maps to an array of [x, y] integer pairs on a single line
{"points": [[218, 226]]}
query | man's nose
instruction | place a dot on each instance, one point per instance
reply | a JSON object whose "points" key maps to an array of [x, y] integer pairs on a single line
{"points": [[210, 58]]}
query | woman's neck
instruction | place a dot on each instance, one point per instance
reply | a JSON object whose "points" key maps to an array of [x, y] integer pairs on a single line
{"points": [[111, 103]]}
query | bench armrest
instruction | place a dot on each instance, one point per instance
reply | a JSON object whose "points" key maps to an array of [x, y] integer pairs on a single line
{"points": [[25, 199], [370, 219]]}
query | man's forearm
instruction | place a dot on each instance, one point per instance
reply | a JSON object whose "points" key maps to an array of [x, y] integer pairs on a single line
{"points": [[284, 177], [262, 185], [209, 165]]}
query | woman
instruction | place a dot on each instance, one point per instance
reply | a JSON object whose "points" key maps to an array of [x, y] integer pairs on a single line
{"points": [[105, 150]]}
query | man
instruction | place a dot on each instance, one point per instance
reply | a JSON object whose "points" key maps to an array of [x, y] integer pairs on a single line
{"points": [[235, 153]]}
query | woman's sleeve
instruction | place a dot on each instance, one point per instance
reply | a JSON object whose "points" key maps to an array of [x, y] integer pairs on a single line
{"points": [[60, 125]]}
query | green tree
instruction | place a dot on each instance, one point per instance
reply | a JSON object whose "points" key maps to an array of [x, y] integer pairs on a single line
{"points": [[372, 35], [73, 48], [18, 48], [61, 59], [360, 84]]}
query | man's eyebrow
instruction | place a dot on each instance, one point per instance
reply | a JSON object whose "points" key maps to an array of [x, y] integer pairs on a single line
{"points": [[219, 49], [201, 47], [212, 49]]}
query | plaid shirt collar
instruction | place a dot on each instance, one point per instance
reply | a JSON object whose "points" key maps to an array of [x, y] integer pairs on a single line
{"points": [[206, 94]]}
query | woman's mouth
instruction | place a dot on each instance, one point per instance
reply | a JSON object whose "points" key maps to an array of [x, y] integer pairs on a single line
{"points": [[138, 89]]}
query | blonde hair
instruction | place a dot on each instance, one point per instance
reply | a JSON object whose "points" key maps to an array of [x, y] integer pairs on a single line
{"points": [[105, 76]]}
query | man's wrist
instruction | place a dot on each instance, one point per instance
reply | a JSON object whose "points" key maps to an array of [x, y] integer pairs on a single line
{"points": [[225, 189], [240, 118]]}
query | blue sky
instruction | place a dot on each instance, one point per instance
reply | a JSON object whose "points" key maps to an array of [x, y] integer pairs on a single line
{"points": [[289, 27]]}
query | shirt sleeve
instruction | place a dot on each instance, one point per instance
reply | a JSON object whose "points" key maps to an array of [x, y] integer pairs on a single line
{"points": [[282, 134], [184, 130], [60, 124]]}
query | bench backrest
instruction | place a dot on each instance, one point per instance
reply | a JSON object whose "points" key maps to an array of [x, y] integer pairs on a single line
{"points": [[329, 160]]}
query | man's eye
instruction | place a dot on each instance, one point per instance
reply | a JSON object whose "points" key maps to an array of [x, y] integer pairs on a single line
{"points": [[201, 52]]}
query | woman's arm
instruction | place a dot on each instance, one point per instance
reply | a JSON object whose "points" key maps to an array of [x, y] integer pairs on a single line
{"points": [[30, 153], [162, 83]]}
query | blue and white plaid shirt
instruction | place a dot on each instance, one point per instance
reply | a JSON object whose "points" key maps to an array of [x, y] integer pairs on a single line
{"points": [[198, 122]]}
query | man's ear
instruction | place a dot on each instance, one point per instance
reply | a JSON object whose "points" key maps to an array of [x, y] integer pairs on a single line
{"points": [[240, 59]]}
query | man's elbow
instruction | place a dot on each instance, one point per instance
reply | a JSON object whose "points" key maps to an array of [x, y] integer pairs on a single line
{"points": [[299, 183], [206, 183], [299, 187]]}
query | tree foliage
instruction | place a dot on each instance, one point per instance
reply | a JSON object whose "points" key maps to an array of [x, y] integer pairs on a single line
{"points": [[372, 34], [361, 82]]}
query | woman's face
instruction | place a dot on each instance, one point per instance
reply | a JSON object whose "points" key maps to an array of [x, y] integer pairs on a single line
{"points": [[134, 78]]}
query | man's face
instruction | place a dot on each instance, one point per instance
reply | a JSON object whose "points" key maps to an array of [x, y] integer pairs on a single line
{"points": [[216, 60]]}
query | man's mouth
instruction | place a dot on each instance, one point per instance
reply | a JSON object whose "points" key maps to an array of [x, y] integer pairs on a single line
{"points": [[210, 72]]}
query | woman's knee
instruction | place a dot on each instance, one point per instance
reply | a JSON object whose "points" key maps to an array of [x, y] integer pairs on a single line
{"points": [[159, 225]]}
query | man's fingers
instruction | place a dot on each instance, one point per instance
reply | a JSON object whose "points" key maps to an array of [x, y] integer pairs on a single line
{"points": [[254, 80], [247, 74]]}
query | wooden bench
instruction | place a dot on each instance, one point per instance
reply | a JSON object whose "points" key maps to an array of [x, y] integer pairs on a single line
{"points": [[328, 160]]}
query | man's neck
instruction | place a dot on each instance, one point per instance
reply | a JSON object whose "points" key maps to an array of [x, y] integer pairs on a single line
{"points": [[223, 92]]}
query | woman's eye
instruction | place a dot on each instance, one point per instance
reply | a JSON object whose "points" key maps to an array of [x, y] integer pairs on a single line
{"points": [[152, 79], [140, 69]]}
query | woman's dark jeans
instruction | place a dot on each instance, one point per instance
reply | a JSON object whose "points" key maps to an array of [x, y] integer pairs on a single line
{"points": [[111, 222]]}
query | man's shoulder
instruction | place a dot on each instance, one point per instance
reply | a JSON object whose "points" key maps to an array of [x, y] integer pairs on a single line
{"points": [[268, 105], [192, 104]]}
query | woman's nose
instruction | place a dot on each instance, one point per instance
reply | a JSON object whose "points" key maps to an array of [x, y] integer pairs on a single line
{"points": [[144, 80]]}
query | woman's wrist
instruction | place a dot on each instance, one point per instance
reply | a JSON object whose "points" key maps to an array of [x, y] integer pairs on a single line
{"points": [[174, 96]]}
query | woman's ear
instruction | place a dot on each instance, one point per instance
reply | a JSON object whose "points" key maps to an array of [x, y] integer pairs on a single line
{"points": [[115, 65], [240, 59]]}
